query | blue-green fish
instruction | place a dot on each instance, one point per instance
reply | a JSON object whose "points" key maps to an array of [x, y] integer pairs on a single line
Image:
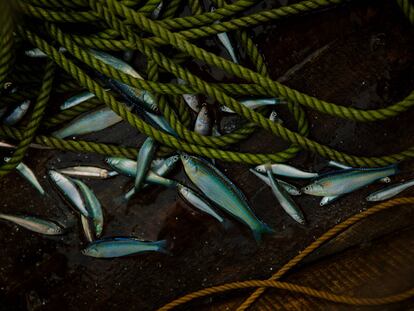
{"points": [[118, 247], [28, 174], [87, 229], [220, 190], [254, 103], [162, 123], [17, 114], [166, 166], [77, 99], [390, 191], [225, 40], [88, 123], [38, 53], [343, 166], [88, 171], [284, 199], [190, 99], [144, 159], [286, 170], [93, 206], [68, 188], [346, 181], [203, 122], [196, 200], [137, 96], [291, 189], [35, 224]]}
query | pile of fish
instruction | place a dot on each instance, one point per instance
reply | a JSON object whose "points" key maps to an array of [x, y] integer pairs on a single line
{"points": [[211, 191]]}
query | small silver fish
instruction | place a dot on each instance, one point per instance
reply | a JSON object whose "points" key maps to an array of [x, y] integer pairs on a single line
{"points": [[328, 200], [17, 114], [93, 206], [87, 171], [4, 144], [28, 174], [191, 99], [254, 103], [166, 166], [144, 159], [153, 179], [225, 40], [38, 53], [156, 13], [88, 123], [203, 122], [77, 99], [274, 117], [343, 166], [286, 170], [69, 190], [197, 201], [118, 247], [346, 181], [291, 189], [35, 224], [390, 191], [284, 199], [220, 190], [162, 123], [87, 229]]}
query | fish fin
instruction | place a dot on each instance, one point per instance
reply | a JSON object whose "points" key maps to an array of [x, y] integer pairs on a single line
{"points": [[263, 229], [162, 244]]}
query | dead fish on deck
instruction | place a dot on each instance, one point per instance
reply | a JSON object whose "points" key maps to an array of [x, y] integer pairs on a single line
{"points": [[88, 123], [118, 247], [35, 224], [196, 200], [225, 40], [137, 96], [93, 206], [156, 13], [274, 117], [4, 144], [343, 166], [28, 174], [87, 228], [345, 181], [203, 122], [190, 99], [68, 188], [87, 171], [17, 114], [291, 189], [286, 170], [77, 99], [390, 191], [284, 198], [254, 103], [144, 159], [38, 53], [161, 122], [220, 190]]}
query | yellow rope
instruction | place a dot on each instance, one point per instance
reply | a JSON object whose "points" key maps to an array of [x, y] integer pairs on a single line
{"points": [[261, 285]]}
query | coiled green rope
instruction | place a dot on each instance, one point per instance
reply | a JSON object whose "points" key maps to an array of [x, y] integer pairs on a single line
{"points": [[126, 25]]}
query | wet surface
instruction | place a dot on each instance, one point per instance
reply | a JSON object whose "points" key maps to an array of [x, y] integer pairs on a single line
{"points": [[366, 61]]}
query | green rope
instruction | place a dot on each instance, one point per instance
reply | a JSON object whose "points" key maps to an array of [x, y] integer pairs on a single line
{"points": [[125, 25]]}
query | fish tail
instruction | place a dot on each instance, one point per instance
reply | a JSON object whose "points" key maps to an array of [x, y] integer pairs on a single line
{"points": [[263, 229], [162, 247]]}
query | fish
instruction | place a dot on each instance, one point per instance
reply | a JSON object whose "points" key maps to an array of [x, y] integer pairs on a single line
{"points": [[28, 174], [286, 170], [88, 171], [68, 188], [137, 96], [196, 200], [88, 123], [162, 123], [17, 114], [203, 122], [156, 13], [291, 189], [38, 53], [346, 181], [215, 131], [225, 40], [122, 246], [328, 200], [35, 224], [274, 117], [191, 99], [166, 166], [288, 205], [144, 159], [4, 144], [77, 99], [93, 206], [254, 103], [87, 229], [390, 191], [220, 190], [343, 166]]}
